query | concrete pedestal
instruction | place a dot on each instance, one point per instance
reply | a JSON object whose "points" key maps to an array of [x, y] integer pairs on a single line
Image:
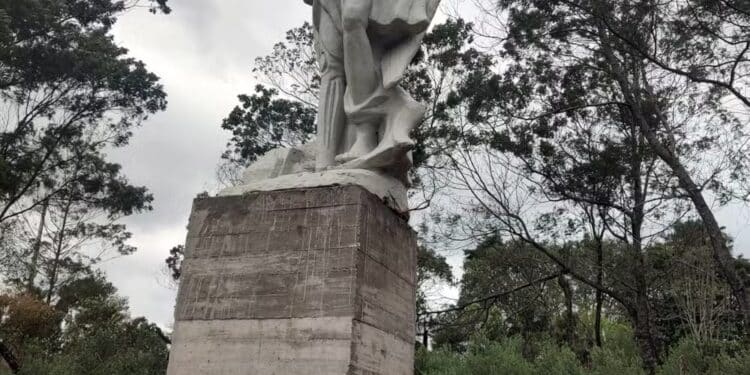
{"points": [[306, 281]]}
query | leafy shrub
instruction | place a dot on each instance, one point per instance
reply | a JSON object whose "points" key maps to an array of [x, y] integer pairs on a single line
{"points": [[486, 357], [618, 356], [714, 358], [731, 365]]}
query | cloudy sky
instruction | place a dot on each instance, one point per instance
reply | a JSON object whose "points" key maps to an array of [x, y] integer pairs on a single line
{"points": [[203, 52]]}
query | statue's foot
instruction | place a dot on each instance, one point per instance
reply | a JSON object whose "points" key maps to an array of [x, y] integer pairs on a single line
{"points": [[384, 156], [358, 150], [346, 157]]}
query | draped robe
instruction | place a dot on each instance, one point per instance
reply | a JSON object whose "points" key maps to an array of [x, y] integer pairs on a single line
{"points": [[395, 30]]}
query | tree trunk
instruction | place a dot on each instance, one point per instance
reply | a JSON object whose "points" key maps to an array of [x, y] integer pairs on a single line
{"points": [[54, 273], [570, 321], [721, 253], [9, 358], [34, 266], [649, 121], [643, 319], [599, 294], [644, 335], [644, 331]]}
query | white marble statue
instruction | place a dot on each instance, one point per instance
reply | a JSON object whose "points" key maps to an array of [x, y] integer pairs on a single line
{"points": [[364, 48]]}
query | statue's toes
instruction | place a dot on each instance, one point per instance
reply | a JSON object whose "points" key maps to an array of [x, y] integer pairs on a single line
{"points": [[346, 157]]}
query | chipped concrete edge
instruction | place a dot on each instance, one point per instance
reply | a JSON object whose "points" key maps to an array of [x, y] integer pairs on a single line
{"points": [[390, 190]]}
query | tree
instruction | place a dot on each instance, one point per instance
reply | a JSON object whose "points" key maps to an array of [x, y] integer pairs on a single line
{"points": [[68, 93], [88, 331], [24, 318], [492, 269], [573, 124], [633, 63], [701, 298], [433, 272], [174, 261]]}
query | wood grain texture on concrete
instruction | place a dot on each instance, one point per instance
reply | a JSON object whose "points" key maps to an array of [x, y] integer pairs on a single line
{"points": [[307, 281]]}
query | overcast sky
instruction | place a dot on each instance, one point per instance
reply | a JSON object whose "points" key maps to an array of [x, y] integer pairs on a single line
{"points": [[203, 53]]}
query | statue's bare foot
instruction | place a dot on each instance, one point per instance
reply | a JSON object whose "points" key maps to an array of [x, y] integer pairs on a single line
{"points": [[382, 157], [358, 150], [366, 141]]}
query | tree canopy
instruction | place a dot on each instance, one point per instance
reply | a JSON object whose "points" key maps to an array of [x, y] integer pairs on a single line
{"points": [[69, 93]]}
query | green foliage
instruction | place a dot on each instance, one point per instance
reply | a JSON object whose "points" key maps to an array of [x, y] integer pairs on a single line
{"points": [[432, 266], [715, 358], [283, 114], [130, 348], [88, 331], [619, 355], [174, 261], [495, 267], [69, 92], [264, 121], [486, 357], [23, 319], [725, 364]]}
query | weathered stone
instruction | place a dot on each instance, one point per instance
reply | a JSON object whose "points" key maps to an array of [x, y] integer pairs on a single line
{"points": [[390, 190], [307, 281]]}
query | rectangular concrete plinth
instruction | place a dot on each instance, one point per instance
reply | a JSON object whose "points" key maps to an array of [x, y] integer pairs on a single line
{"points": [[309, 281]]}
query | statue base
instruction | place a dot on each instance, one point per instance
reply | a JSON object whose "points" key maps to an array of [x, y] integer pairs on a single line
{"points": [[299, 281]]}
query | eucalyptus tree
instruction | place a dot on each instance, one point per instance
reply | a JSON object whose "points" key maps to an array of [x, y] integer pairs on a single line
{"points": [[580, 117], [68, 93], [661, 65]]}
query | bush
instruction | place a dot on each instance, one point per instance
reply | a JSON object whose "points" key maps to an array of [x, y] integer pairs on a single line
{"points": [[618, 356], [731, 365], [619, 353], [714, 358], [613, 360], [486, 357]]}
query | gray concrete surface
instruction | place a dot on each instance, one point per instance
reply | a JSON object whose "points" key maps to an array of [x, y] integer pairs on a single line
{"points": [[307, 281]]}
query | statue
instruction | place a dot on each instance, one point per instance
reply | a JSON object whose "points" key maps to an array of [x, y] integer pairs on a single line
{"points": [[364, 48]]}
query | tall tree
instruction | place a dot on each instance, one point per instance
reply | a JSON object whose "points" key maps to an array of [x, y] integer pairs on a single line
{"points": [[67, 93], [631, 58], [579, 118]]}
